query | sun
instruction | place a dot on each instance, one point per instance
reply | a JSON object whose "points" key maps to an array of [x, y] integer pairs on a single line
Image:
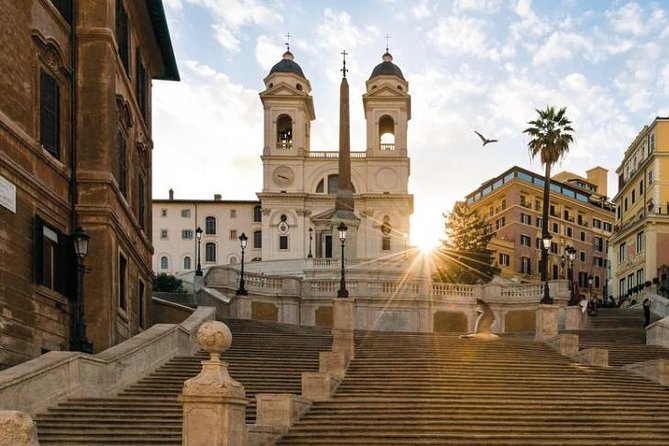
{"points": [[426, 233]]}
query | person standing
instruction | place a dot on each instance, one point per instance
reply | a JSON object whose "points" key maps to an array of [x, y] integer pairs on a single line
{"points": [[646, 312]]}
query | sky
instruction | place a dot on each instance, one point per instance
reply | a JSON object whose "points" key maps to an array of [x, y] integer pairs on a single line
{"points": [[483, 65]]}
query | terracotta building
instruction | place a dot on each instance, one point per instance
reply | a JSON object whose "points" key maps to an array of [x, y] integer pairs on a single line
{"points": [[640, 242], [580, 217], [75, 150]]}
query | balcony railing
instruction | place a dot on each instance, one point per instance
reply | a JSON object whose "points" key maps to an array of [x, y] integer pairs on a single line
{"points": [[387, 147]]}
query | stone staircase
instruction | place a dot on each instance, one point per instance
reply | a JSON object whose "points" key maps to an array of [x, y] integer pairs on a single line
{"points": [[265, 357], [413, 389]]}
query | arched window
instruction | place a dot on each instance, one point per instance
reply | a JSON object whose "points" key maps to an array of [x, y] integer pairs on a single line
{"points": [[284, 132], [164, 264], [210, 252], [387, 133], [257, 239], [320, 188], [386, 229], [257, 214], [333, 184], [187, 263], [233, 260], [210, 225]]}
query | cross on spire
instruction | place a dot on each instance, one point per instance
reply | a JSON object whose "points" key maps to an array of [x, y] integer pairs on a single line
{"points": [[288, 36], [387, 40], [344, 70]]}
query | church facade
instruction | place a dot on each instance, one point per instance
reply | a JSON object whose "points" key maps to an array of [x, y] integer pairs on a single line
{"points": [[300, 186]]}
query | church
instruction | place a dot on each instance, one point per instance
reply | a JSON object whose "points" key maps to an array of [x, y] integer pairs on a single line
{"points": [[307, 194]]}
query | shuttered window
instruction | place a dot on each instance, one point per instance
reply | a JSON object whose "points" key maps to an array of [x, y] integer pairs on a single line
{"points": [[55, 261], [122, 35], [141, 86], [141, 209], [65, 9], [122, 282], [122, 165], [49, 122]]}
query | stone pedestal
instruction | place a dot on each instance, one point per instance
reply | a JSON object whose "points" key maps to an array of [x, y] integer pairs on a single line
{"points": [[657, 370], [574, 318], [318, 386], [546, 322], [214, 404], [566, 344], [244, 307], [332, 362], [343, 324], [17, 429], [593, 356], [279, 410], [198, 283]]}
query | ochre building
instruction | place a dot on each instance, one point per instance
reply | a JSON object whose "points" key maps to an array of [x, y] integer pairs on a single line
{"points": [[75, 150]]}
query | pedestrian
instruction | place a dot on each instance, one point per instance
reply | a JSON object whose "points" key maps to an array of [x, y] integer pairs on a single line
{"points": [[646, 312], [583, 303]]}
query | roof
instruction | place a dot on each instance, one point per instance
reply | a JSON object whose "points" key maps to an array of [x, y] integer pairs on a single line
{"points": [[287, 65], [387, 68], [184, 201], [162, 35]]}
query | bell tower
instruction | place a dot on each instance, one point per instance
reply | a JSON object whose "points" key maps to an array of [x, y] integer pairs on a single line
{"points": [[387, 105], [288, 109]]}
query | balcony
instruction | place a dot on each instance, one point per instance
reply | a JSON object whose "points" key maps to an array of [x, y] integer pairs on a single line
{"points": [[387, 147]]}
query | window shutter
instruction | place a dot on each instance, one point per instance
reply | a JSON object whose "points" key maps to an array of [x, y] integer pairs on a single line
{"points": [[65, 9], [122, 169], [66, 266], [142, 202], [39, 250], [122, 34], [141, 86], [48, 116]]}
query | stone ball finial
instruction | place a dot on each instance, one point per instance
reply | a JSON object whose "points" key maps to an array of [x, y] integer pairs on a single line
{"points": [[214, 337]]}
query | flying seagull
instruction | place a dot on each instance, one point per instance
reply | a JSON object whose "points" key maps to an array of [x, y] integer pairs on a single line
{"points": [[484, 139]]}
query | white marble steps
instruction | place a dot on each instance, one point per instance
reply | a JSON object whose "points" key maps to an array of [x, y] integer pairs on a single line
{"points": [[410, 389], [148, 412]]}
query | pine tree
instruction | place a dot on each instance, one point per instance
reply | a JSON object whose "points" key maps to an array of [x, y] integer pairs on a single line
{"points": [[463, 256]]}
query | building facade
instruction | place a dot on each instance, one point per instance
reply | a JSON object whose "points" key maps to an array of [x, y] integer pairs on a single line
{"points": [[300, 185], [640, 242], [75, 150], [580, 217], [222, 223]]}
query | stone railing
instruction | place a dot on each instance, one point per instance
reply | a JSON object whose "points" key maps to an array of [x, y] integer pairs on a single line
{"points": [[29, 387]]}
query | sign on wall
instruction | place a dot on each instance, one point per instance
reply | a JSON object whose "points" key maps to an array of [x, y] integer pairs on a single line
{"points": [[7, 194]]}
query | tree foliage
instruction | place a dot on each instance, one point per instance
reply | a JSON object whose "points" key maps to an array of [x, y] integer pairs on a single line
{"points": [[463, 256], [167, 283]]}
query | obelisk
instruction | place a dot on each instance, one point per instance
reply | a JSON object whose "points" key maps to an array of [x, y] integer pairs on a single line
{"points": [[344, 205]]}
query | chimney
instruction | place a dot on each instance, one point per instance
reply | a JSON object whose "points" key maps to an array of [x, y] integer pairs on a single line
{"points": [[217, 197], [171, 194]]}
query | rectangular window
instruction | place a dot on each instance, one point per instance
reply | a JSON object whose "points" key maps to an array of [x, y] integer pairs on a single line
{"points": [[187, 234], [596, 223], [582, 256], [233, 234], [639, 242], [122, 39], [582, 279], [556, 228], [504, 259], [526, 219], [598, 262], [599, 243], [141, 86], [625, 204], [385, 243], [582, 236], [257, 239], [525, 265], [640, 187], [608, 227], [122, 282], [140, 304], [622, 250], [233, 213], [640, 277], [49, 114], [553, 211], [64, 7], [210, 252], [54, 259], [554, 248], [163, 212], [141, 203], [570, 232], [621, 288], [185, 213], [538, 243], [163, 234], [283, 242], [499, 223], [539, 222], [122, 164], [633, 195], [525, 240], [596, 282]]}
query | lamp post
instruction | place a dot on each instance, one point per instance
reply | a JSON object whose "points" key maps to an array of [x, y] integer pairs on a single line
{"points": [[343, 292], [78, 341], [241, 291], [311, 237], [198, 236], [571, 255], [546, 244]]}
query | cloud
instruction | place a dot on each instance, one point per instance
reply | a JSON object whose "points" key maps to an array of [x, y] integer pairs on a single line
{"points": [[629, 19], [267, 52], [462, 35], [421, 11], [524, 8], [562, 46], [483, 6], [232, 15], [228, 118]]}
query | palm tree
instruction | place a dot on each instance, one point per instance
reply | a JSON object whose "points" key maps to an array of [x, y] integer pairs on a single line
{"points": [[551, 135]]}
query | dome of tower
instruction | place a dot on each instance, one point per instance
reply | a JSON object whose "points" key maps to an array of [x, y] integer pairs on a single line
{"points": [[287, 65], [387, 68]]}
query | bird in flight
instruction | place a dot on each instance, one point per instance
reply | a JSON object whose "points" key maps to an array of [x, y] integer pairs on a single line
{"points": [[484, 139]]}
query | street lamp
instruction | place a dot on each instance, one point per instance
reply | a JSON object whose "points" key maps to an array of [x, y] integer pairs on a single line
{"points": [[343, 292], [78, 341], [571, 255], [546, 243], [311, 237], [241, 291], [198, 236]]}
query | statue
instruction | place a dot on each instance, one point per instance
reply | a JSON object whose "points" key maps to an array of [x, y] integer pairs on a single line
{"points": [[482, 328]]}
